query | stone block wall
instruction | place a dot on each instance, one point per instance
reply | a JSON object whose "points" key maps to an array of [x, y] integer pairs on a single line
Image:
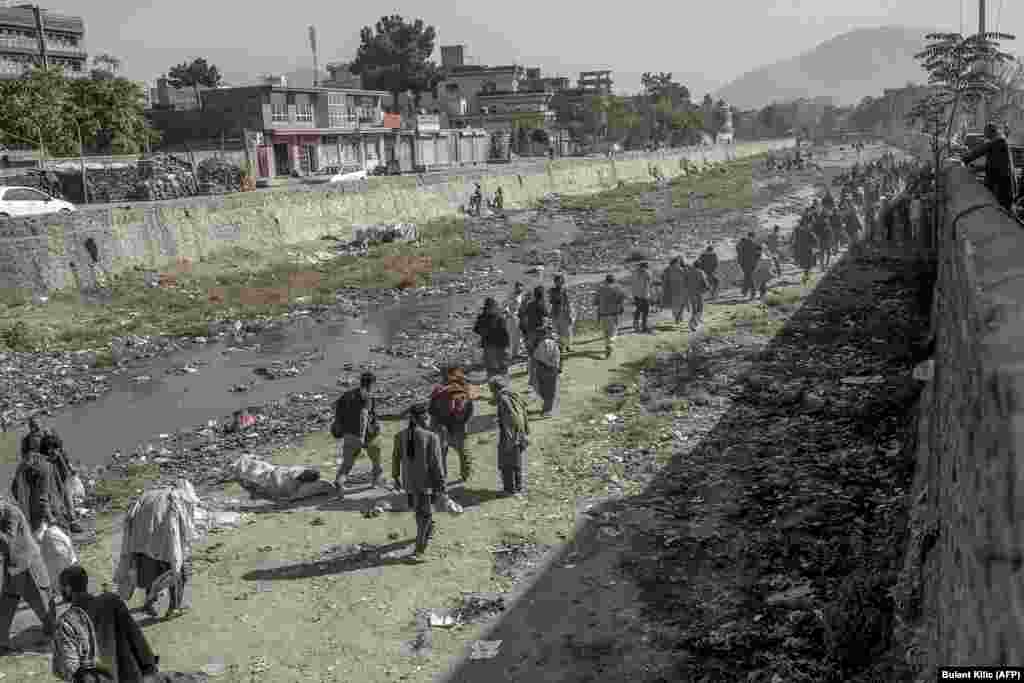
{"points": [[36, 253], [965, 567]]}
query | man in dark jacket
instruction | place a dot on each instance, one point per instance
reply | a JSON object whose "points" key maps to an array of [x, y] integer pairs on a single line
{"points": [[356, 428], [708, 262], [52, 446], [416, 468], [999, 177], [531, 316], [748, 253], [123, 648], [490, 325]]}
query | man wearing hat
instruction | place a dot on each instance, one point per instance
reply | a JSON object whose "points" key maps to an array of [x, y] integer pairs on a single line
{"points": [[513, 431], [356, 427], [416, 468]]}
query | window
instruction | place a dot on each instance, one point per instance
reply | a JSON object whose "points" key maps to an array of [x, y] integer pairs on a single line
{"points": [[335, 99], [278, 112], [304, 112], [340, 117]]}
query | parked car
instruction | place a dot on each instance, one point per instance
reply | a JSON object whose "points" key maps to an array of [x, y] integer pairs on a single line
{"points": [[27, 201]]}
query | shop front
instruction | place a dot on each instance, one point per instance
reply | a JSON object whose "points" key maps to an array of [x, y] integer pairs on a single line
{"points": [[296, 153]]}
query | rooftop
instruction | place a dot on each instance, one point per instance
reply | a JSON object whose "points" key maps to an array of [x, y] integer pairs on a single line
{"points": [[22, 16]]}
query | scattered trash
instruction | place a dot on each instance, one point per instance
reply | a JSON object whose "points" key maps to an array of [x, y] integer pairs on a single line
{"points": [[485, 649], [875, 379]]}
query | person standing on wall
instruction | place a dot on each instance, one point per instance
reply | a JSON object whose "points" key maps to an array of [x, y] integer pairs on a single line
{"points": [[999, 176]]}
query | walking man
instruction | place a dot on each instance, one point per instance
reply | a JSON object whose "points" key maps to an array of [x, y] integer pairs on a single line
{"points": [[531, 315], [804, 244], [416, 468], [513, 436], [916, 213], [774, 242], [748, 253], [23, 573], [356, 427], [490, 325], [610, 303], [512, 306], [562, 313], [641, 298], [549, 369], [695, 283], [673, 289], [451, 407], [708, 262]]}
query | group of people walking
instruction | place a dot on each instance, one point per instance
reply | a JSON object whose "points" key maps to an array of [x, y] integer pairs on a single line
{"points": [[94, 638]]}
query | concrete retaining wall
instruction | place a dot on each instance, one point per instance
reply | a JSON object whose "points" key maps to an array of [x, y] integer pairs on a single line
{"points": [[49, 253], [965, 596]]}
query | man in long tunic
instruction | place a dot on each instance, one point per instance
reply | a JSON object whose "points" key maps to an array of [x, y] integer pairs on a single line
{"points": [[804, 244], [609, 301], [513, 432], [511, 313], [673, 290], [562, 313], [416, 469], [695, 284], [23, 574], [36, 488], [549, 369], [156, 549]]}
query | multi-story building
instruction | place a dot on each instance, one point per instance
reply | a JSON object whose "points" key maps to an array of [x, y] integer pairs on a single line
{"points": [[299, 131], [21, 48]]}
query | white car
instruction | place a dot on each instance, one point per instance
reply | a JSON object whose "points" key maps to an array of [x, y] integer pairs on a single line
{"points": [[28, 201]]}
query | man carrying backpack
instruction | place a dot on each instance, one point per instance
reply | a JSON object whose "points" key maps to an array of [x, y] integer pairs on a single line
{"points": [[513, 431], [356, 427], [452, 405]]}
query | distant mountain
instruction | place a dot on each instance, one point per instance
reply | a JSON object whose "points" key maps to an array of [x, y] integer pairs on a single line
{"points": [[846, 68]]}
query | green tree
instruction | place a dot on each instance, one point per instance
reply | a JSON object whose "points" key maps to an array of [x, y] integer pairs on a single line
{"points": [[195, 74], [46, 110], [395, 56], [36, 109], [540, 136], [962, 69], [1009, 79], [110, 113], [618, 118]]}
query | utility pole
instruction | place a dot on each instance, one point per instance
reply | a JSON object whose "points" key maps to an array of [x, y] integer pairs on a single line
{"points": [[37, 12], [316, 65], [983, 103]]}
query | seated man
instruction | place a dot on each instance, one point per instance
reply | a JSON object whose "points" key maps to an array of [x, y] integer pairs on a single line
{"points": [[157, 545], [96, 638]]}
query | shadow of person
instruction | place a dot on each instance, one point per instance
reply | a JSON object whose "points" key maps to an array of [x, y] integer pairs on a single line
{"points": [[342, 560], [473, 497]]}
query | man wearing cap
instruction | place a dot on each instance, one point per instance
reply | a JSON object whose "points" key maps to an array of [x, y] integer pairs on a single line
{"points": [[610, 303], [416, 469], [356, 428]]}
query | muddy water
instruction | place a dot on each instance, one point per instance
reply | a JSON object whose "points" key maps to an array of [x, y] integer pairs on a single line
{"points": [[137, 413]]}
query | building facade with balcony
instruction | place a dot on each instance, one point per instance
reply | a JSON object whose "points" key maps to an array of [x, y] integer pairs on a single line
{"points": [[303, 131], [20, 45]]}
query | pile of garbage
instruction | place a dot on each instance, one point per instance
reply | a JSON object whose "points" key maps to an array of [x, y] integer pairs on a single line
{"points": [[217, 176], [366, 235], [164, 176]]}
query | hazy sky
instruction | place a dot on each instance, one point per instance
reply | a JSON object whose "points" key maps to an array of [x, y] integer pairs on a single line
{"points": [[704, 44]]}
